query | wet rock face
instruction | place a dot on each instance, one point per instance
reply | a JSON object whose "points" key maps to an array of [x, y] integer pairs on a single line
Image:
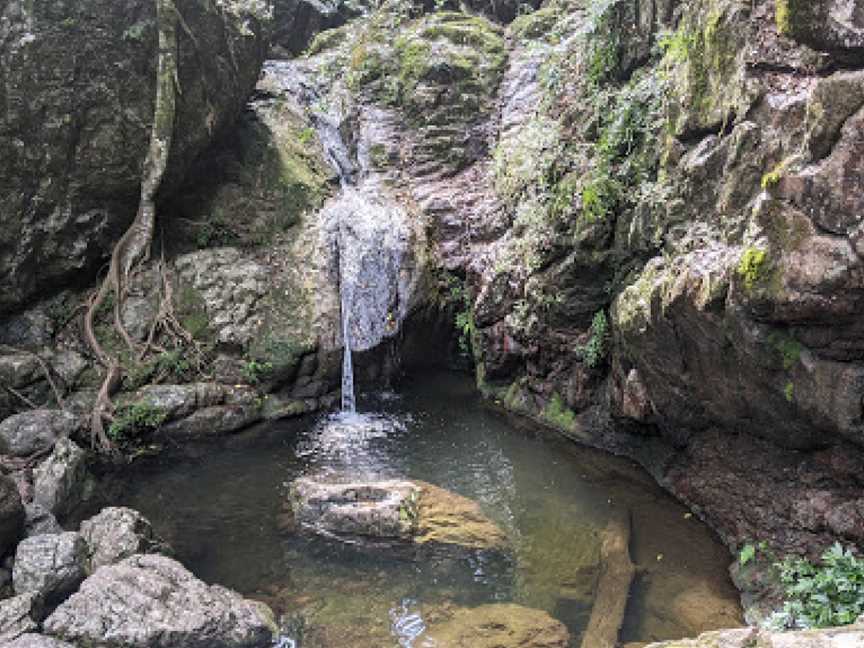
{"points": [[78, 88], [153, 602], [413, 517]]}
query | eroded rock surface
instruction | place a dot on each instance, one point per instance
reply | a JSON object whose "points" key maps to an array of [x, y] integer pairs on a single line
{"points": [[17, 617], [11, 514], [416, 517], [154, 602]]}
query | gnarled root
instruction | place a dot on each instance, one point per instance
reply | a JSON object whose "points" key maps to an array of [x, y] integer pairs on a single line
{"points": [[133, 247]]}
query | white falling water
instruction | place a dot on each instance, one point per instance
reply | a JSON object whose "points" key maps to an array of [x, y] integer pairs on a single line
{"points": [[348, 403]]}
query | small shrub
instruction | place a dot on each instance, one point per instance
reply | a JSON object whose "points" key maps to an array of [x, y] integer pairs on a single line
{"points": [[829, 593], [135, 420], [594, 352], [751, 267], [255, 371]]}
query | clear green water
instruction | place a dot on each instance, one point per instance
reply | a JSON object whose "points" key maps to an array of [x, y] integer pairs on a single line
{"points": [[221, 507]]}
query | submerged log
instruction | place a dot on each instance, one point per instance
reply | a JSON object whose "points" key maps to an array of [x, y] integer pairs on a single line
{"points": [[613, 585]]}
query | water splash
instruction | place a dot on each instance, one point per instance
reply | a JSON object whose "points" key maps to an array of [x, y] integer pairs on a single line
{"points": [[408, 626]]}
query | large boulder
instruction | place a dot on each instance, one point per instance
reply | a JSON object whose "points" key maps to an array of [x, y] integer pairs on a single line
{"points": [[11, 514], [296, 22], [412, 517], [16, 617], [78, 89], [50, 566], [117, 533], [154, 602], [62, 481], [35, 431]]}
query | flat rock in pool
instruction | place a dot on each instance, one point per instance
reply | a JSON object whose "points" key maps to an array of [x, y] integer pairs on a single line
{"points": [[499, 625], [413, 516]]}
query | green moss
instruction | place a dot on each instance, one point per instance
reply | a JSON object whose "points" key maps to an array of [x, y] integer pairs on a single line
{"points": [[135, 420], [556, 413], [600, 197], [787, 347], [327, 40], [752, 267], [789, 392], [378, 156], [535, 24]]}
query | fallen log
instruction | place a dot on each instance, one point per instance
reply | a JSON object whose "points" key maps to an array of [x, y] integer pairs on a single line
{"points": [[613, 584]]}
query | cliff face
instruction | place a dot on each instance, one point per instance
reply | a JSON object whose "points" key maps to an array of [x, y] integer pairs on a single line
{"points": [[650, 211], [77, 85]]}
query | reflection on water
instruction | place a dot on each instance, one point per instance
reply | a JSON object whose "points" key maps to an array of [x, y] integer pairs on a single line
{"points": [[222, 509]]}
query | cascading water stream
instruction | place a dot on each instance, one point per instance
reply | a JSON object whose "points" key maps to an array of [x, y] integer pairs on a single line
{"points": [[349, 405]]}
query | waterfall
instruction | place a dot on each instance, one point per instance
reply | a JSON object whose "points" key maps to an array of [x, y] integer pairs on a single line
{"points": [[348, 403], [365, 235]]}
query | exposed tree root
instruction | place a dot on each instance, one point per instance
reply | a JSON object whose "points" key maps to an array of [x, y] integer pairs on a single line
{"points": [[133, 248]]}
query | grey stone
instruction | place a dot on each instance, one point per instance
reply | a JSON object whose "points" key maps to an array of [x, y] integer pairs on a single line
{"points": [[34, 431], [117, 533], [154, 602], [39, 521], [50, 566], [61, 481], [16, 617], [37, 641], [11, 514]]}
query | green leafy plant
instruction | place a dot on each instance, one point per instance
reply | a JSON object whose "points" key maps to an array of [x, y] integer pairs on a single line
{"points": [[747, 553], [594, 351], [828, 593], [255, 371], [135, 420]]}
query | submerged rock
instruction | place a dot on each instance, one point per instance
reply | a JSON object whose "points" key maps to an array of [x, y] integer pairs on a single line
{"points": [[35, 431], [50, 566], [499, 625], [117, 533], [409, 516], [154, 602]]}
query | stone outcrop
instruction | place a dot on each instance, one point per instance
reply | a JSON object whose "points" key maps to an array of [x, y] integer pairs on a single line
{"points": [[117, 533], [79, 84], [153, 602], [50, 567], [35, 431], [408, 517], [62, 481]]}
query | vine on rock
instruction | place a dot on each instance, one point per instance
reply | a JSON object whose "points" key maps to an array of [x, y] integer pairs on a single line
{"points": [[133, 248]]}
